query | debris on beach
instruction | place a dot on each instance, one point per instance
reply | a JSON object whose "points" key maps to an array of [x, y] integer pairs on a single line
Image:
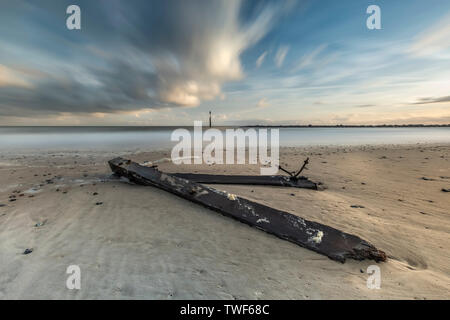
{"points": [[28, 251], [357, 206], [445, 190], [40, 224], [323, 239], [293, 179], [281, 181]]}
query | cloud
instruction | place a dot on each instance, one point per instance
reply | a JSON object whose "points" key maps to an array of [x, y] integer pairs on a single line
{"points": [[281, 55], [12, 78], [309, 59], [262, 103], [130, 56], [434, 40], [260, 59], [433, 100]]}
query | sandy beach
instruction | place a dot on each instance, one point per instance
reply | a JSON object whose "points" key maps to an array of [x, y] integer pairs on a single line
{"points": [[135, 242]]}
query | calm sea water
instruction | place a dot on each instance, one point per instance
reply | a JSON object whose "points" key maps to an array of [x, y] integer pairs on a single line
{"points": [[151, 138]]}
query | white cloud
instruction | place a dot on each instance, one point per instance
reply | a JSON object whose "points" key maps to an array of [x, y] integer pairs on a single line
{"points": [[262, 103], [281, 55], [214, 57], [12, 78], [433, 41], [260, 59], [310, 58]]}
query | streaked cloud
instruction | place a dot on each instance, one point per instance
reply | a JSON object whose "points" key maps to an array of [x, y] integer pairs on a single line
{"points": [[13, 78], [262, 103], [309, 58], [131, 55], [260, 59], [433, 100], [434, 40], [281, 55]]}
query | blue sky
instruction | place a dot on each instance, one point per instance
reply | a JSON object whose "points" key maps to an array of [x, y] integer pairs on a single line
{"points": [[250, 62]]}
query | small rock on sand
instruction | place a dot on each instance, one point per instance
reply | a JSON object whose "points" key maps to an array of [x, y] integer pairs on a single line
{"points": [[445, 190], [356, 206], [28, 251], [98, 203], [40, 224]]}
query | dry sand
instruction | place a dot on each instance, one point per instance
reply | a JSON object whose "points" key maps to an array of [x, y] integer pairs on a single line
{"points": [[142, 242]]}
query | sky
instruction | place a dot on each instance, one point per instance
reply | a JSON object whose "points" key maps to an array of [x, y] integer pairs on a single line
{"points": [[249, 62]]}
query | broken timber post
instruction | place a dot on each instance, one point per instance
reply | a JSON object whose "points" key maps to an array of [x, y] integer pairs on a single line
{"points": [[333, 243]]}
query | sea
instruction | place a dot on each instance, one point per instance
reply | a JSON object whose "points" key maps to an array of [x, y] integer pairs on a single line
{"points": [[157, 138]]}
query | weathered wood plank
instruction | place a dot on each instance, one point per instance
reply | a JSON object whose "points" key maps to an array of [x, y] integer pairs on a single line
{"points": [[333, 243], [282, 181]]}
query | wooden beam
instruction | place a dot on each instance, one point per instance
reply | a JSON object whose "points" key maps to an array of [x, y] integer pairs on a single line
{"points": [[281, 181], [331, 242]]}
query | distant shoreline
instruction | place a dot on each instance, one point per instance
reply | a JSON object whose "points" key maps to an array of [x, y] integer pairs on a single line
{"points": [[257, 126], [353, 126]]}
